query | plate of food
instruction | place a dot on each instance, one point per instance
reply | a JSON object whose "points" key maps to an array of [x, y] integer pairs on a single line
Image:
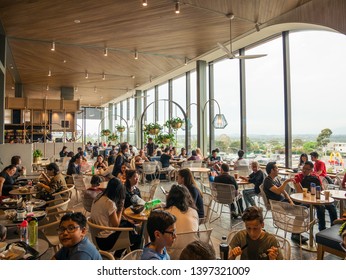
{"points": [[10, 200], [38, 214], [37, 203], [14, 252], [23, 189]]}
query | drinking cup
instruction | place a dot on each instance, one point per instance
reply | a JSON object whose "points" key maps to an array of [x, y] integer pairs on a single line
{"points": [[326, 194], [305, 192], [236, 175]]}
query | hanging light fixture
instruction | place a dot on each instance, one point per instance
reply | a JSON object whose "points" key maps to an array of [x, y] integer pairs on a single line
{"points": [[53, 47], [105, 52], [219, 121], [86, 74], [136, 54], [47, 87], [49, 73], [145, 3], [103, 76], [177, 7]]}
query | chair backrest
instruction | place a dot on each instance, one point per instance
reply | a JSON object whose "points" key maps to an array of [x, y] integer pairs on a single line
{"points": [[67, 193], [196, 163], [186, 164], [149, 167], [57, 205], [223, 193], [133, 255], [123, 241], [290, 218], [243, 170], [264, 197], [79, 181], [285, 246], [153, 189], [106, 255], [133, 163], [207, 201]]}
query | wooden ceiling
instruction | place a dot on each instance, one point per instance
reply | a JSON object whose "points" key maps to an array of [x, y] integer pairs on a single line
{"points": [[162, 38]]}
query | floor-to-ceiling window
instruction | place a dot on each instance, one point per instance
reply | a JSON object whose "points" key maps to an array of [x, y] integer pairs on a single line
{"points": [[318, 67], [265, 102], [227, 94], [179, 96]]}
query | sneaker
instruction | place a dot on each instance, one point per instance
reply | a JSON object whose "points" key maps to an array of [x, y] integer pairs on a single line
{"points": [[296, 238], [234, 215]]}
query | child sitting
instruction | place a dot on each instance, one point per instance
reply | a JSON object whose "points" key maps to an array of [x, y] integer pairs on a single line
{"points": [[161, 230], [76, 246]]}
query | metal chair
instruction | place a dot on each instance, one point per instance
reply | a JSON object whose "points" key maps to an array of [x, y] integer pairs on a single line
{"points": [[290, 218], [147, 196], [207, 201], [224, 194], [133, 255], [265, 200], [167, 171], [106, 255], [123, 241]]}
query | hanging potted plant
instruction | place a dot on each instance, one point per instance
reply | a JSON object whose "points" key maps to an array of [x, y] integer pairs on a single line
{"points": [[165, 138], [175, 123], [120, 128], [37, 155], [113, 137], [105, 132], [153, 128]]}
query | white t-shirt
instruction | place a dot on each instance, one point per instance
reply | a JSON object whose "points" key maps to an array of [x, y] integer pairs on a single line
{"points": [[100, 212]]}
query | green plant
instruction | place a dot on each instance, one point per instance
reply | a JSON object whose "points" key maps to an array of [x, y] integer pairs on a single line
{"points": [[174, 123], [165, 138], [113, 137], [152, 126], [120, 128], [37, 153], [105, 132]]}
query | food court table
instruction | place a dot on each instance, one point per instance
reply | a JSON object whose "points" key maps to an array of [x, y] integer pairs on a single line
{"points": [[139, 218], [338, 195], [311, 200], [28, 191]]}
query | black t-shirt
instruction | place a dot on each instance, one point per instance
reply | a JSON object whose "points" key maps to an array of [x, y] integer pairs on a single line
{"points": [[307, 180], [165, 160]]}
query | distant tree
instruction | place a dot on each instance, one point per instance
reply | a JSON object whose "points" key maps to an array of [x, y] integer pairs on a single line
{"points": [[297, 142], [309, 147], [324, 137]]}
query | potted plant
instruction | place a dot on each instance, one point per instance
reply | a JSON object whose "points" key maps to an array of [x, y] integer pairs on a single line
{"points": [[174, 123], [120, 128], [105, 132], [113, 137], [153, 128], [37, 154], [165, 138]]}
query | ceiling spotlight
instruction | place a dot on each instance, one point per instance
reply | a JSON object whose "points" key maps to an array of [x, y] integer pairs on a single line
{"points": [[186, 60], [76, 90], [150, 78], [177, 7], [95, 89], [136, 54], [105, 52], [49, 73], [47, 87], [230, 16], [103, 76], [86, 75], [145, 3], [257, 26], [53, 47], [133, 76]]}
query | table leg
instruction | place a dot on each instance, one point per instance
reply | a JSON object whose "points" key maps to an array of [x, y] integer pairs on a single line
{"points": [[311, 246]]}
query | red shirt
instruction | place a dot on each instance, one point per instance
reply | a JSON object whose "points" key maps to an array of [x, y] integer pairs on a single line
{"points": [[299, 177], [320, 166]]}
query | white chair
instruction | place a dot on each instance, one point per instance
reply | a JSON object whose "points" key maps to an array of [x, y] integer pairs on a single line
{"points": [[147, 196], [149, 168], [224, 194], [106, 255], [285, 245], [265, 200], [133, 255], [207, 202], [123, 241], [290, 218], [79, 183], [167, 171]]}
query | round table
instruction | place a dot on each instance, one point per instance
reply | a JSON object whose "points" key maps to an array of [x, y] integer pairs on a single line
{"points": [[338, 195], [29, 192], [311, 200]]}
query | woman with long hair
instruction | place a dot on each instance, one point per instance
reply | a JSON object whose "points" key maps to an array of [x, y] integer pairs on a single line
{"points": [[180, 203], [186, 179], [302, 159], [131, 186]]}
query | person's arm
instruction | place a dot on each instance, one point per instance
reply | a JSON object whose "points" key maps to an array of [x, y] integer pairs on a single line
{"points": [[115, 217], [45, 177], [2, 180]]}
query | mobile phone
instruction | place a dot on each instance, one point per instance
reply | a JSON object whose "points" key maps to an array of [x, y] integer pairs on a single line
{"points": [[163, 190]]}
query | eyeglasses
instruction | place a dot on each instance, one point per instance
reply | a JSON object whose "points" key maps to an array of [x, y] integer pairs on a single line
{"points": [[170, 232], [69, 229]]}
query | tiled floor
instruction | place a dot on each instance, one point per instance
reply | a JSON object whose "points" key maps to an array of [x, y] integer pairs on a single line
{"points": [[220, 227]]}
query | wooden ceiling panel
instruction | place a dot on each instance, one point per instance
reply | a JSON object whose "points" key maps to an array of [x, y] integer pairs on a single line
{"points": [[162, 38]]}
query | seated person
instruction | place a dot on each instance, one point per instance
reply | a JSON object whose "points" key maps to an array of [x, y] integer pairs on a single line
{"points": [[17, 161], [106, 173], [256, 178], [214, 161], [63, 152], [194, 156], [241, 161], [343, 184], [131, 186], [161, 230], [226, 178], [303, 180], [276, 191], [74, 166], [54, 182], [139, 159], [100, 163], [165, 159], [198, 250], [122, 176], [182, 154], [6, 180], [76, 246], [253, 243], [91, 193]]}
